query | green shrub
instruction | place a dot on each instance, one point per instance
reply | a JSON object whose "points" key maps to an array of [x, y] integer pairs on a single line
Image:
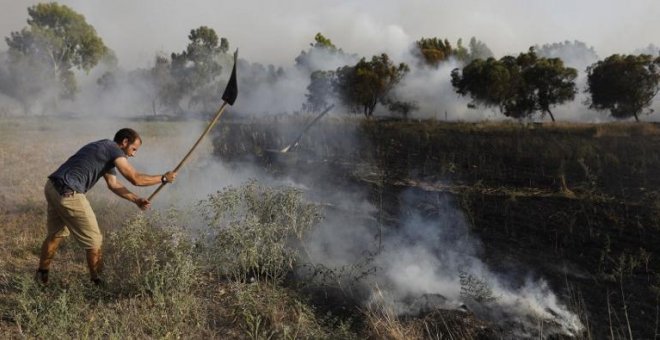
{"points": [[255, 230], [150, 255]]}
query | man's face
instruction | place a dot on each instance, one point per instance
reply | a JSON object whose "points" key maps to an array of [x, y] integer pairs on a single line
{"points": [[130, 149]]}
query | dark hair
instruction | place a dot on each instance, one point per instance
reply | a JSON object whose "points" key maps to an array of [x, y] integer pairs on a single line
{"points": [[126, 133]]}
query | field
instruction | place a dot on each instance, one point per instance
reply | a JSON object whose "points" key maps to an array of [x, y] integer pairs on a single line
{"points": [[576, 204]]}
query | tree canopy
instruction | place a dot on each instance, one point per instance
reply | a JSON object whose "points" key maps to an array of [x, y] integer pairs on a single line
{"points": [[624, 84], [433, 51], [192, 72], [573, 53], [322, 55], [319, 91], [519, 86], [60, 39], [368, 83]]}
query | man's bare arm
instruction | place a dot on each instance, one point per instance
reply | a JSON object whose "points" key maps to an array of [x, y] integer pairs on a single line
{"points": [[139, 179], [120, 190]]}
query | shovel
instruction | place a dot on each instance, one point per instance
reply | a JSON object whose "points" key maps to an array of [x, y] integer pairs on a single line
{"points": [[297, 140], [228, 97]]}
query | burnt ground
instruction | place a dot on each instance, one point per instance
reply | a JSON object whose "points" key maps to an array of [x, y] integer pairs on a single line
{"points": [[578, 205]]}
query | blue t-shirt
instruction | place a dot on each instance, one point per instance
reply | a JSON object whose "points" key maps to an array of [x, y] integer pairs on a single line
{"points": [[91, 162]]}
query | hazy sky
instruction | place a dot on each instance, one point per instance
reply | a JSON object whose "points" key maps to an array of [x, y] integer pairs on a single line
{"points": [[275, 32]]}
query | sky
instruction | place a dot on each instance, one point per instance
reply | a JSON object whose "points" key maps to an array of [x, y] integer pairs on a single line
{"points": [[271, 32]]}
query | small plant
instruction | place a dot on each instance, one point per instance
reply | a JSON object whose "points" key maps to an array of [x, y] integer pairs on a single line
{"points": [[475, 288]]}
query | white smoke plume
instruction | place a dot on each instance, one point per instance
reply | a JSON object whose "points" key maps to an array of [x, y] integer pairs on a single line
{"points": [[422, 263]]}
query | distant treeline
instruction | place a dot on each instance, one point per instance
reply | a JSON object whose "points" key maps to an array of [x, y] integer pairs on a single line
{"points": [[42, 57]]}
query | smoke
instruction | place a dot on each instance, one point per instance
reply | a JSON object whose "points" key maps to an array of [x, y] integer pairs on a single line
{"points": [[270, 33], [430, 88], [431, 260], [364, 29]]}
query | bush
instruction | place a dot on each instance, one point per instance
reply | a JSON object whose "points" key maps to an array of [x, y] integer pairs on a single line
{"points": [[255, 230], [150, 256], [150, 293]]}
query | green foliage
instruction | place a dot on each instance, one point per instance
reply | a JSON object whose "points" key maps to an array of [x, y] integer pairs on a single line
{"points": [[403, 107], [624, 84], [136, 265], [256, 230], [478, 50], [321, 55], [576, 53], [368, 83], [323, 42], [60, 39], [434, 51], [519, 86], [191, 74], [319, 90]]}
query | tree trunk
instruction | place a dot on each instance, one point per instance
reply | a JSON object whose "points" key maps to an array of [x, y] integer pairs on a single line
{"points": [[636, 118], [551, 115]]}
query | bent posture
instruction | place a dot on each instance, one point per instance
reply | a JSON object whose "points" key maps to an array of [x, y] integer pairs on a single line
{"points": [[69, 212]]}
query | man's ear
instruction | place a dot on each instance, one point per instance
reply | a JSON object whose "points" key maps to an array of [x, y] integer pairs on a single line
{"points": [[124, 143]]}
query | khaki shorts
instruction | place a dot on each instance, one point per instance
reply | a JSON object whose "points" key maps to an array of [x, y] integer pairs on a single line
{"points": [[72, 215]]}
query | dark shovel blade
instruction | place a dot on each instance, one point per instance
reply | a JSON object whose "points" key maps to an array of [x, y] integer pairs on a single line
{"points": [[231, 91]]}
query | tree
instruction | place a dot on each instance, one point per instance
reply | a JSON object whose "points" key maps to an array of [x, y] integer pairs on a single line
{"points": [[433, 51], [319, 91], [624, 84], [519, 86], [368, 83], [478, 50], [402, 107], [194, 70], [322, 55], [576, 54], [61, 40]]}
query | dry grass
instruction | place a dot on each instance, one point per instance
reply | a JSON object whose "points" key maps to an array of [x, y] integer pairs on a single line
{"points": [[162, 280]]}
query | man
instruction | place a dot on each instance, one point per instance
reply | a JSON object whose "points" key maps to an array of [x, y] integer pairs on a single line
{"points": [[69, 212]]}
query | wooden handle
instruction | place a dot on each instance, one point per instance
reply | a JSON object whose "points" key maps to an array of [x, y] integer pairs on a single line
{"points": [[208, 128]]}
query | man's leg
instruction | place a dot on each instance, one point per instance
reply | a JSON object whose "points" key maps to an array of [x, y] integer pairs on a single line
{"points": [[95, 264], [56, 229], [48, 249]]}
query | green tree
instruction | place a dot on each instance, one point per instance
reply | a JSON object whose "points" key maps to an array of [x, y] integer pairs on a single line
{"points": [[166, 90], [402, 107], [478, 50], [61, 40], [368, 83], [322, 55], [319, 91], [519, 86], [575, 53], [194, 70], [624, 84], [434, 51]]}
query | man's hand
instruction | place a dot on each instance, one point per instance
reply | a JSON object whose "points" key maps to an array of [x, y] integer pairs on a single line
{"points": [[170, 176], [143, 203]]}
